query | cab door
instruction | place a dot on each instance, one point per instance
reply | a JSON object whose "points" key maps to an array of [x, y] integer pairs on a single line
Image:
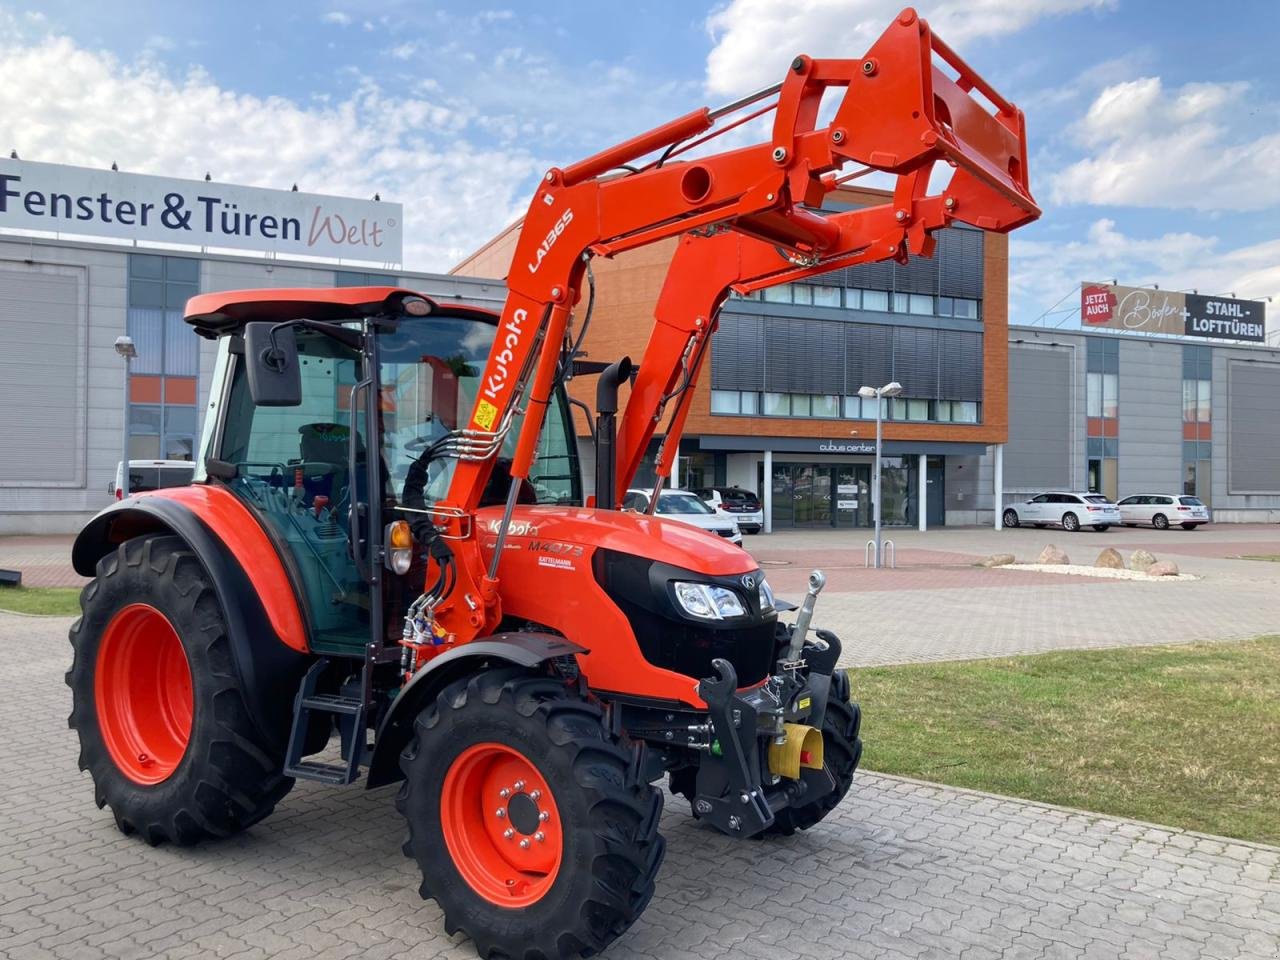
{"points": [[303, 471]]}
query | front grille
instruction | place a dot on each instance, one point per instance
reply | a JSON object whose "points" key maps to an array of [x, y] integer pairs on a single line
{"points": [[673, 641]]}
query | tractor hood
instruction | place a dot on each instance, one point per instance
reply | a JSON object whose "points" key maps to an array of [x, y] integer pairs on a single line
{"points": [[655, 538]]}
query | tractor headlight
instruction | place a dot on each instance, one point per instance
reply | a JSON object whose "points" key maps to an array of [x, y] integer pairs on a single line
{"points": [[708, 602], [766, 595]]}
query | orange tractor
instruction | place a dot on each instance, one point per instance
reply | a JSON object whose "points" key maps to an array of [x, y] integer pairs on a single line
{"points": [[388, 537]]}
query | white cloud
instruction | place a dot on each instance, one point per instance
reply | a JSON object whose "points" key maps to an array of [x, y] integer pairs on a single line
{"points": [[1041, 272], [64, 104], [1152, 147], [338, 18], [756, 39]]}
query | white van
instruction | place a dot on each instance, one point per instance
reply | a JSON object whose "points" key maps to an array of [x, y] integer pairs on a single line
{"points": [[147, 475]]}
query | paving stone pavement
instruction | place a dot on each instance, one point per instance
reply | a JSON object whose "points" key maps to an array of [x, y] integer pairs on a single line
{"points": [[901, 870]]}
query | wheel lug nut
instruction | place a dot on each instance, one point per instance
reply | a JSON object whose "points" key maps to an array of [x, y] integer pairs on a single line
{"points": [[524, 844], [501, 812], [535, 795], [544, 816], [508, 833], [519, 785], [539, 836], [504, 793]]}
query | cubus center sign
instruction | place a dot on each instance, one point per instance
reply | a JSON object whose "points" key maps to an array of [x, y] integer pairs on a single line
{"points": [[106, 203], [1143, 310]]}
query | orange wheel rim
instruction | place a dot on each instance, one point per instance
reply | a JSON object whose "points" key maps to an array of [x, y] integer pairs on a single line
{"points": [[142, 689], [501, 825]]}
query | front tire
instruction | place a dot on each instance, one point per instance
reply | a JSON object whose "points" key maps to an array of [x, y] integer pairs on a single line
{"points": [[1160, 521], [507, 740], [1070, 522], [841, 750], [1011, 518], [157, 702]]}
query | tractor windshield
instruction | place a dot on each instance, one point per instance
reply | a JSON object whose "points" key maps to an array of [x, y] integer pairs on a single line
{"points": [[430, 371]]}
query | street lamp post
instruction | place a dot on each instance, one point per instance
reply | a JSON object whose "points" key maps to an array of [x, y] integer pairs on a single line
{"points": [[126, 349], [879, 394]]}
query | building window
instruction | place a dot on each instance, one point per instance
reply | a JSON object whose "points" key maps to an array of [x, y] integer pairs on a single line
{"points": [[777, 405], [853, 408], [163, 388], [724, 401], [826, 296], [778, 294], [922, 305], [853, 299], [801, 293], [826, 406], [1102, 395], [875, 300]]}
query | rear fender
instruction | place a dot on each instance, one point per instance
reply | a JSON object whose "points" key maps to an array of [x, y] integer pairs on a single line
{"points": [[501, 649], [269, 668]]}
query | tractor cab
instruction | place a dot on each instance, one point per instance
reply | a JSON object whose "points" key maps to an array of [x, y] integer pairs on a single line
{"points": [[391, 381]]}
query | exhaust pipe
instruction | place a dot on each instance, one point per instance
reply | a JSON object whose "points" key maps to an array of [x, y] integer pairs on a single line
{"points": [[611, 377]]}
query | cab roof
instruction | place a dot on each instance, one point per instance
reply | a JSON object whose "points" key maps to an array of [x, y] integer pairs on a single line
{"points": [[226, 312]]}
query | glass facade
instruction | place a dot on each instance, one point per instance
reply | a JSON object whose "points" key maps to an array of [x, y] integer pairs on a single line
{"points": [[163, 421], [1102, 412], [876, 301], [833, 407], [1197, 414]]}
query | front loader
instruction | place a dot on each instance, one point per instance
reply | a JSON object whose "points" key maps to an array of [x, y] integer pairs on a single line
{"points": [[387, 566]]}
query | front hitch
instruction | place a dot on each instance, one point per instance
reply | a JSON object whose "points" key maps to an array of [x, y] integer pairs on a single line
{"points": [[729, 794]]}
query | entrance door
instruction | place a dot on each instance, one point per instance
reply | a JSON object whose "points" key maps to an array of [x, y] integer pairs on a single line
{"points": [[935, 506], [783, 496], [853, 496]]}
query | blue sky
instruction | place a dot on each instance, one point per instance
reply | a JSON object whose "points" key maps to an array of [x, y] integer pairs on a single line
{"points": [[1155, 127]]}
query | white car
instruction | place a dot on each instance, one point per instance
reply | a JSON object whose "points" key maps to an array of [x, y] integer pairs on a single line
{"points": [[742, 504], [1071, 511], [1162, 510], [684, 506], [145, 475]]}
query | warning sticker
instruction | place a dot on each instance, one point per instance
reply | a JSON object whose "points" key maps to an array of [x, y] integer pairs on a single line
{"points": [[486, 413]]}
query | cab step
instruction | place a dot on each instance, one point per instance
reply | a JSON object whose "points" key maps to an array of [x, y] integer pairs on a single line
{"points": [[308, 704]]}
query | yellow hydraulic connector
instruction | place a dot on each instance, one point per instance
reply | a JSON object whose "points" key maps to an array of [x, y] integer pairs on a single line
{"points": [[802, 748]]}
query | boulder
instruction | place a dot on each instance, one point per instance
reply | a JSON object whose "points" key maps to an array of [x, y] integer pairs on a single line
{"points": [[1110, 559], [1052, 554], [1141, 559], [998, 560], [1163, 568]]}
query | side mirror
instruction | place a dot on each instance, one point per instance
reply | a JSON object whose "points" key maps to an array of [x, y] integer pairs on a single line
{"points": [[272, 365]]}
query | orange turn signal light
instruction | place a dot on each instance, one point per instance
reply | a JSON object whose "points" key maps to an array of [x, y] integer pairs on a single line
{"points": [[400, 537]]}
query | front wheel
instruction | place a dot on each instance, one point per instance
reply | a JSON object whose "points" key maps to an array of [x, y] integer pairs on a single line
{"points": [[527, 817], [1070, 522], [1160, 521], [1011, 518]]}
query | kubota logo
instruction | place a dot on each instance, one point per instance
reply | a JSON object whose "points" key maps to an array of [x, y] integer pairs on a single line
{"points": [[501, 373], [550, 240]]}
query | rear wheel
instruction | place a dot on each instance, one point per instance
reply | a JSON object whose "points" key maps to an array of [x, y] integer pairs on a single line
{"points": [[156, 700], [528, 819], [841, 751], [1160, 521], [1011, 517], [1070, 522]]}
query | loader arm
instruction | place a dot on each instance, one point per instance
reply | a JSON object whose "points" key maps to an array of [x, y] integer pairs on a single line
{"points": [[899, 112]]}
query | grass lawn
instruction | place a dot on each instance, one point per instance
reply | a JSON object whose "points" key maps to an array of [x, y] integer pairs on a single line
{"points": [[53, 601], [1185, 735]]}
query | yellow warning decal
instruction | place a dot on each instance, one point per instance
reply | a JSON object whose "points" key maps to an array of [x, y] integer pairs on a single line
{"points": [[486, 413], [803, 703]]}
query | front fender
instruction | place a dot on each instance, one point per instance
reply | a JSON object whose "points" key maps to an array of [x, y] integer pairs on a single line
{"points": [[269, 658], [521, 649]]}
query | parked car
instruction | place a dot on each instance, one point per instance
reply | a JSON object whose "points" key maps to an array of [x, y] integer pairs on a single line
{"points": [[1071, 511], [147, 475], [1162, 510], [684, 506], [743, 504]]}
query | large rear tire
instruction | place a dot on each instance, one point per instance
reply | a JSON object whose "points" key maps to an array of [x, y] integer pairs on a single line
{"points": [[841, 750], [527, 817], [156, 701]]}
